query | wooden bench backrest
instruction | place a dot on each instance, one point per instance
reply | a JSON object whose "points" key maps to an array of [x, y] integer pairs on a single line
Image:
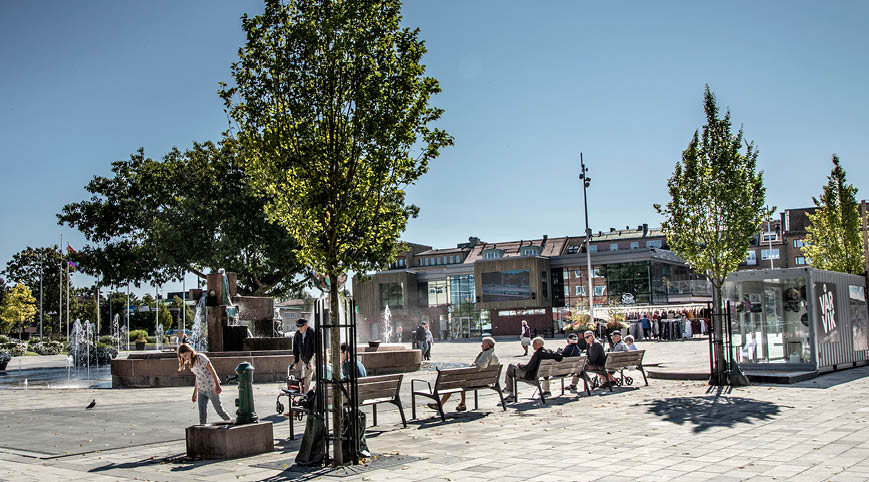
{"points": [[384, 386], [622, 359], [472, 377], [568, 366]]}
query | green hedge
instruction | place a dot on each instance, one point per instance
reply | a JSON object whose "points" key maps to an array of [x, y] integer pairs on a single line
{"points": [[135, 334], [48, 348], [14, 348]]}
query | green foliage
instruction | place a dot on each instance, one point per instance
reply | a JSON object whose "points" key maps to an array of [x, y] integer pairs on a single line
{"points": [[179, 303], [165, 317], [833, 240], [716, 198], [5, 357], [26, 266], [138, 334], [14, 348], [155, 220], [4, 339], [106, 339], [18, 308]]}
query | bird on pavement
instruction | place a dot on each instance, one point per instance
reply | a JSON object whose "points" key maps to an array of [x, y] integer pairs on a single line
{"points": [[92, 404]]}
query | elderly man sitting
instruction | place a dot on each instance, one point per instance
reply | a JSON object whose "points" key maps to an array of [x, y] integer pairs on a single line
{"points": [[597, 358], [528, 371], [485, 359]]}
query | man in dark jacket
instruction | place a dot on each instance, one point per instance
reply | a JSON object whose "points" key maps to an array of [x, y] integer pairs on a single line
{"points": [[419, 336], [597, 357], [303, 352], [528, 371], [572, 349]]}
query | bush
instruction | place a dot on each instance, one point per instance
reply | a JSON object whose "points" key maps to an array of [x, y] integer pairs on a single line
{"points": [[4, 339], [48, 348], [151, 339], [33, 340], [14, 348], [135, 334], [5, 357], [107, 339]]}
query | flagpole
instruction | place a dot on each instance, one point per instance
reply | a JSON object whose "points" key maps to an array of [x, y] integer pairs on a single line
{"points": [[40, 297], [60, 288], [183, 306], [128, 316], [98, 304], [67, 295]]}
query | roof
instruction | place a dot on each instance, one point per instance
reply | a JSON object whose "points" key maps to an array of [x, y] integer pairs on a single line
{"points": [[551, 247]]}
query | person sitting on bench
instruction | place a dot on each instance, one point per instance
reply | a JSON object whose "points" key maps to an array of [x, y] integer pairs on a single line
{"points": [[618, 344], [529, 370], [597, 358], [629, 342], [572, 349], [346, 366], [485, 359]]}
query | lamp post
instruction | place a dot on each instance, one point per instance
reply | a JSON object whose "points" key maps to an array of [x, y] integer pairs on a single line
{"points": [[586, 181]]}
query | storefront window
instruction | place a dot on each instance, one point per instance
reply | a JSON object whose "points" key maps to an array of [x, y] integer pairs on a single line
{"points": [[770, 320], [629, 283]]}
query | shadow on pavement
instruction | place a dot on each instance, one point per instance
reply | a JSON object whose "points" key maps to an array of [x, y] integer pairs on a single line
{"points": [[707, 412], [452, 418]]}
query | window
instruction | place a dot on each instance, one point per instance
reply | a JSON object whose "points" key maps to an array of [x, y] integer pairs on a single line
{"points": [[391, 295], [654, 243], [599, 272], [799, 243], [492, 254], [506, 285], [529, 251], [614, 246], [566, 291], [635, 245], [573, 249], [592, 248], [750, 257], [769, 236], [766, 254], [577, 273], [580, 291], [800, 260], [599, 290]]}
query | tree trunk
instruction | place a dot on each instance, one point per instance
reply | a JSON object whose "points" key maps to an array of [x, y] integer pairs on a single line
{"points": [[335, 340], [718, 377]]}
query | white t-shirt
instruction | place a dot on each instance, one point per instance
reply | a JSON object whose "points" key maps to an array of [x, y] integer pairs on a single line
{"points": [[204, 380]]}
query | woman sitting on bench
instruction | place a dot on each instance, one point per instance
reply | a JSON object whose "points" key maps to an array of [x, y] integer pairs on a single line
{"points": [[485, 359]]}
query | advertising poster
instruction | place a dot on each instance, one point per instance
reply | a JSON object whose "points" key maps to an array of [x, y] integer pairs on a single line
{"points": [[859, 322], [828, 317]]}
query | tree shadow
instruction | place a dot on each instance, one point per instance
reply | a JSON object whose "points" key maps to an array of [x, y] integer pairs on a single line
{"points": [[458, 417], [706, 412]]}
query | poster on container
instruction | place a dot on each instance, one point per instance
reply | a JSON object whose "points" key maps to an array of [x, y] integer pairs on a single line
{"points": [[859, 317], [828, 316]]}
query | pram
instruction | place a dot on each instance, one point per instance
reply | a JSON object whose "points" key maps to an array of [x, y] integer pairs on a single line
{"points": [[294, 394]]}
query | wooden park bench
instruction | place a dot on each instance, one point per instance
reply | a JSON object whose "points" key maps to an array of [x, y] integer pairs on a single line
{"points": [[619, 360], [455, 380], [551, 369], [371, 391]]}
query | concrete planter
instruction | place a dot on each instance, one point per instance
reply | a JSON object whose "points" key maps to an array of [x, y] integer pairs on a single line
{"points": [[140, 345]]}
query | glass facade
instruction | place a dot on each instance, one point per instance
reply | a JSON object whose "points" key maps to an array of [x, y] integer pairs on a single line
{"points": [[510, 285], [770, 320], [629, 283], [465, 319], [391, 295]]}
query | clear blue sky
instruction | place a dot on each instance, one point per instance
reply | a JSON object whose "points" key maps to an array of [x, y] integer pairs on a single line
{"points": [[526, 87]]}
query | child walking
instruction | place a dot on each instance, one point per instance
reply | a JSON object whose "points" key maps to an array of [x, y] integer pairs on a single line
{"points": [[207, 385]]}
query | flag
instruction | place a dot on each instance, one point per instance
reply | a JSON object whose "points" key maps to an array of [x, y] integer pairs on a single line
{"points": [[70, 250], [73, 264]]}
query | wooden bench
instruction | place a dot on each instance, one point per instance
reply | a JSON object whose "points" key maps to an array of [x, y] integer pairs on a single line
{"points": [[551, 369], [617, 361], [455, 380], [371, 391]]}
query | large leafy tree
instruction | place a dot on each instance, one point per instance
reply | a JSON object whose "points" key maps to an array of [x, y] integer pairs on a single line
{"points": [[154, 220], [27, 265], [332, 106], [833, 240], [18, 308], [716, 204]]}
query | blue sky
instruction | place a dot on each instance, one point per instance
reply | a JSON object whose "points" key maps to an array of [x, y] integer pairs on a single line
{"points": [[526, 87]]}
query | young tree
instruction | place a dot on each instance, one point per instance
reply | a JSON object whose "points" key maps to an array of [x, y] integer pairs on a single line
{"points": [[331, 102], [716, 205], [26, 266], [153, 220], [833, 241], [18, 308]]}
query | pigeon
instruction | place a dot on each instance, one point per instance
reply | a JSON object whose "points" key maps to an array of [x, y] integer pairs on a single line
{"points": [[92, 404]]}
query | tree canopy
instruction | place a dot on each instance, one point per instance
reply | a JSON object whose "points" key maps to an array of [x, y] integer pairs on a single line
{"points": [[332, 106], [154, 220], [716, 203], [18, 308], [833, 241], [26, 266]]}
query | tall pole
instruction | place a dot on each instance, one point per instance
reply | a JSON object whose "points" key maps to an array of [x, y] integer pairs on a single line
{"points": [[67, 295], [128, 316], [60, 290], [769, 238], [863, 221], [156, 308], [40, 296], [183, 306], [583, 176], [98, 304]]}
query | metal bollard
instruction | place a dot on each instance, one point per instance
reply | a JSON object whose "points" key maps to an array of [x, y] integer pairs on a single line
{"points": [[244, 402]]}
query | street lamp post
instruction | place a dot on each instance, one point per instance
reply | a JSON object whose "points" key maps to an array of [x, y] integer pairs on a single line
{"points": [[586, 181]]}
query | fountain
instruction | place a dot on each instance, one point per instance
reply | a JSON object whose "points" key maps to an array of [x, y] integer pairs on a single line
{"points": [[116, 332], [387, 324], [158, 337], [199, 336], [124, 337]]}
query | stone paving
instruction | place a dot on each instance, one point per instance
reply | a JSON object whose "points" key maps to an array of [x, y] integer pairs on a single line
{"points": [[671, 430]]}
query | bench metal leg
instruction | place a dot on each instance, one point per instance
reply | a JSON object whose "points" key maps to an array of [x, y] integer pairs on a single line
{"points": [[292, 432], [440, 408], [397, 403], [476, 400], [374, 414], [562, 385], [644, 375], [500, 394], [540, 390], [412, 405], [586, 382]]}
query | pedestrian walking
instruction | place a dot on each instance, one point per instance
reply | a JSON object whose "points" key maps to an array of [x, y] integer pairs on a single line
{"points": [[525, 337]]}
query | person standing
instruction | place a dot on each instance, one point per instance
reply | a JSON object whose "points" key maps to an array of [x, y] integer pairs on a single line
{"points": [[303, 352], [646, 325], [525, 337], [429, 341], [207, 385], [419, 336], [398, 332]]}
